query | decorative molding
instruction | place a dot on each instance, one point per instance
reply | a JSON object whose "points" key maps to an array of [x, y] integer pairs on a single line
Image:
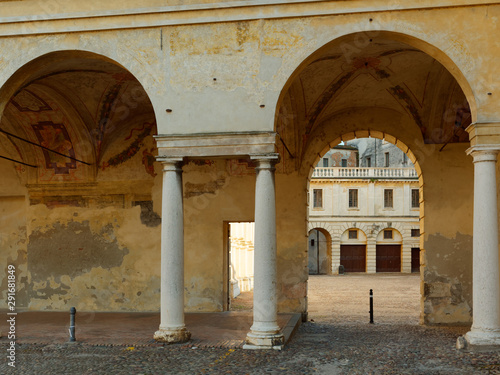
{"points": [[42, 17]]}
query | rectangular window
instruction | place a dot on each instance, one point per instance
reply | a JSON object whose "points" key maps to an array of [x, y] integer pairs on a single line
{"points": [[325, 162], [405, 158], [388, 234], [353, 198], [368, 162], [415, 232], [386, 160], [344, 163], [353, 234], [388, 198], [415, 198], [317, 198]]}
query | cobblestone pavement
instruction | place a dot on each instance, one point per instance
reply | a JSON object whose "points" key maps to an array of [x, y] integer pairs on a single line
{"points": [[339, 340]]}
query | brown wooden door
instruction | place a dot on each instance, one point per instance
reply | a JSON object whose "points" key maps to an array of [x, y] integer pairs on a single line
{"points": [[388, 258], [353, 258], [415, 259]]}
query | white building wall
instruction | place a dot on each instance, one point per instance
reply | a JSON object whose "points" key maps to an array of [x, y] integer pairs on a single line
{"points": [[371, 217]]}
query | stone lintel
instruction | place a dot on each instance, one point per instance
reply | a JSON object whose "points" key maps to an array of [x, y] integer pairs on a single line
{"points": [[209, 145], [484, 133]]}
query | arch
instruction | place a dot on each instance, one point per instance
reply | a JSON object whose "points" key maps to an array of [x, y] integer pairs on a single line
{"points": [[301, 60], [107, 102], [320, 257], [397, 237], [21, 68], [361, 237]]}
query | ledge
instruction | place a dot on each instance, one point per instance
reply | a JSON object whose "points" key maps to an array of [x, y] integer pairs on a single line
{"points": [[49, 17]]}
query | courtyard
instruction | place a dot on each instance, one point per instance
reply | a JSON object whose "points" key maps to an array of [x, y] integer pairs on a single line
{"points": [[336, 339]]}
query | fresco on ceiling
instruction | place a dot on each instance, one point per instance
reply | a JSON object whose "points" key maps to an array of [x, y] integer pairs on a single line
{"points": [[450, 128], [27, 101], [133, 149], [55, 137]]}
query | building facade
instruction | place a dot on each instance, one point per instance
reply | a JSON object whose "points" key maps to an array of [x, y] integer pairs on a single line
{"points": [[132, 134], [364, 219]]}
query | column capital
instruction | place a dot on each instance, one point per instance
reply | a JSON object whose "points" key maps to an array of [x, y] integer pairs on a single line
{"points": [[482, 153], [170, 163], [484, 133], [265, 161]]}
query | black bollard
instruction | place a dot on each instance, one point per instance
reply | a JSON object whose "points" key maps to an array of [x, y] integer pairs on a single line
{"points": [[72, 313], [371, 306]]}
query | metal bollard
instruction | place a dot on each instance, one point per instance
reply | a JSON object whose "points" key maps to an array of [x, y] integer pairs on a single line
{"points": [[72, 313], [371, 306]]}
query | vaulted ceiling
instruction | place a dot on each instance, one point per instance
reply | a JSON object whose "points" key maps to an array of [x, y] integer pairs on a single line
{"points": [[380, 74], [78, 105]]}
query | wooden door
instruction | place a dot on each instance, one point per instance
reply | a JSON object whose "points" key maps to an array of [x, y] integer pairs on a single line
{"points": [[388, 258], [353, 258], [415, 259]]}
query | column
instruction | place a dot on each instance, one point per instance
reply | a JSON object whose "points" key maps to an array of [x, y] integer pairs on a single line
{"points": [[335, 255], [371, 254], [172, 328], [265, 332], [485, 329], [406, 252]]}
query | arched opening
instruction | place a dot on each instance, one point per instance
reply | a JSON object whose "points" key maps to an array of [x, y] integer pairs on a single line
{"points": [[389, 251], [77, 132], [319, 252], [352, 251], [393, 89]]}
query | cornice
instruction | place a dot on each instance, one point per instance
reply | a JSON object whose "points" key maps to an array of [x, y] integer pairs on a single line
{"points": [[50, 17]]}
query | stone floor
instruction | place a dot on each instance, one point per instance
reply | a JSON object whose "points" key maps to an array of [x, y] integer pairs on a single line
{"points": [[337, 339]]}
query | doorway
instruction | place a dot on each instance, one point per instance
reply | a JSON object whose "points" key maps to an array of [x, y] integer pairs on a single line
{"points": [[239, 269]]}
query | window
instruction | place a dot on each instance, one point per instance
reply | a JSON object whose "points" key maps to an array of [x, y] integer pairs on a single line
{"points": [[353, 234], [388, 234], [353, 198], [415, 232], [368, 162], [344, 163], [388, 198], [405, 159], [325, 162], [415, 198], [317, 198], [386, 160]]}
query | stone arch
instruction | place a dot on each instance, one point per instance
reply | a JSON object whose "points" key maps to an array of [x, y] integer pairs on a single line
{"points": [[18, 70], [298, 61], [325, 265]]}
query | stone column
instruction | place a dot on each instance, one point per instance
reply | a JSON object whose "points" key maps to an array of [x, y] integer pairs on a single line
{"points": [[406, 253], [485, 329], [172, 328], [265, 332], [335, 256], [371, 255]]}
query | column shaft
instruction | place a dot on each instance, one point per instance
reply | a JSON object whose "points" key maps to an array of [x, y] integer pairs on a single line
{"points": [[265, 332], [485, 281], [172, 328]]}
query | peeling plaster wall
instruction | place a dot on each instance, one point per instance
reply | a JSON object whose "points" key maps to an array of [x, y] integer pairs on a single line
{"points": [[96, 259], [447, 238]]}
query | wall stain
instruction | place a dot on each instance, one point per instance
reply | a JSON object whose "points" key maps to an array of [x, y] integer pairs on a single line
{"points": [[447, 283], [72, 250]]}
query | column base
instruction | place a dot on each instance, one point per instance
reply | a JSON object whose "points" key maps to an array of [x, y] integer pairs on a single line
{"points": [[479, 340], [172, 336], [264, 341]]}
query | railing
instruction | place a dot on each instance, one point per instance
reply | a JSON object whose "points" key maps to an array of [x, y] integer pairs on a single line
{"points": [[338, 172]]}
